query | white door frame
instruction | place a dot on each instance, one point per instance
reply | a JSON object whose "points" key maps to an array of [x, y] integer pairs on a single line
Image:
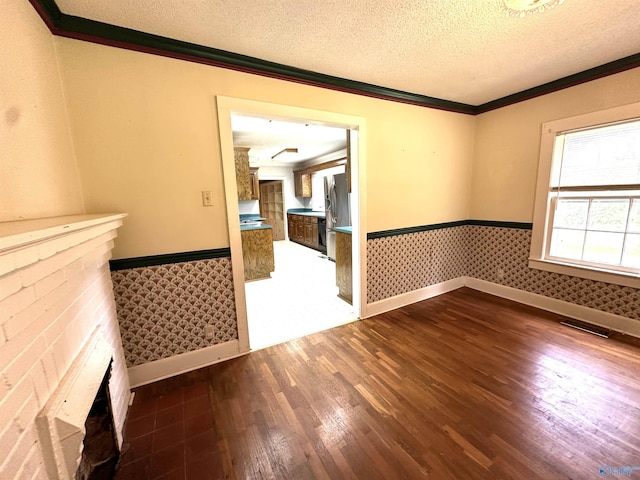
{"points": [[226, 106]]}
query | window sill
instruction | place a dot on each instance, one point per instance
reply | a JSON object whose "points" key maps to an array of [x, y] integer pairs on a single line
{"points": [[598, 275]]}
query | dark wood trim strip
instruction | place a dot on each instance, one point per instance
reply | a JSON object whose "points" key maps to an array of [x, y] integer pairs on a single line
{"points": [[97, 32], [153, 260], [498, 224], [617, 66], [48, 11], [416, 229], [439, 226]]}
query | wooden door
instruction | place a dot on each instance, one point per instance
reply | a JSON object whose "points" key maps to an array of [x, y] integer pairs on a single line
{"points": [[272, 206]]}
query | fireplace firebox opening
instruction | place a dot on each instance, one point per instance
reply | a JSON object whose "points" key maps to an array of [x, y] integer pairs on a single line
{"points": [[100, 452]]}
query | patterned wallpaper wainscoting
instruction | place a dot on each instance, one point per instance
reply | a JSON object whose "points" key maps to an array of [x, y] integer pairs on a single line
{"points": [[507, 250], [163, 309], [401, 263]]}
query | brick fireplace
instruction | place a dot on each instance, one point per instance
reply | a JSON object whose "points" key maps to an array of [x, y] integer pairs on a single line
{"points": [[58, 335]]}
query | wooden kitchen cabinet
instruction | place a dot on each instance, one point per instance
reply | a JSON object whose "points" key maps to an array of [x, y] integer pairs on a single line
{"points": [[303, 229], [291, 227], [257, 253], [241, 157], [311, 232], [246, 177], [254, 183], [299, 236], [296, 227], [302, 183], [344, 275]]}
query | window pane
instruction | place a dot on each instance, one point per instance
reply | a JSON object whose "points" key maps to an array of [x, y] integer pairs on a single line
{"points": [[631, 257], [607, 155], [608, 215], [571, 214], [634, 217], [567, 243], [602, 247]]}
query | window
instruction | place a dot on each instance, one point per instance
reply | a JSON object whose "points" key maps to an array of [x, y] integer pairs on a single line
{"points": [[587, 212]]}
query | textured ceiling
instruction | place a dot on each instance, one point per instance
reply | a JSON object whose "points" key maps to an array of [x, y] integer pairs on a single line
{"points": [[466, 51]]}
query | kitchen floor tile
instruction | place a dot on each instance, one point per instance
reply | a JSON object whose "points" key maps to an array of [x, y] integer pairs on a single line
{"points": [[283, 307]]}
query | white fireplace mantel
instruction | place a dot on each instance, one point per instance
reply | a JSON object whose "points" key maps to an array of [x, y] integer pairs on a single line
{"points": [[26, 232], [58, 334]]}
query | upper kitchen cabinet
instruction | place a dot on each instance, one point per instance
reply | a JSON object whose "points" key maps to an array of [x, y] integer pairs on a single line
{"points": [[246, 177], [254, 183], [302, 182]]}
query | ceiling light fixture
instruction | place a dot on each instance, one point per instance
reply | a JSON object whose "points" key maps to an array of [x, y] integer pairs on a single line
{"points": [[521, 8], [283, 154]]}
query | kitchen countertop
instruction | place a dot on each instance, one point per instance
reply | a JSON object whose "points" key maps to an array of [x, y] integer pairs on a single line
{"points": [[307, 212], [244, 228], [347, 230], [251, 216]]}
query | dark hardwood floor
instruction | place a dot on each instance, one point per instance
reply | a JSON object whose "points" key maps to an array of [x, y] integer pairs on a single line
{"points": [[462, 386]]}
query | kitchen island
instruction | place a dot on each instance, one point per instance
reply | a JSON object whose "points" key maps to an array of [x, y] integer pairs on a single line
{"points": [[257, 251]]}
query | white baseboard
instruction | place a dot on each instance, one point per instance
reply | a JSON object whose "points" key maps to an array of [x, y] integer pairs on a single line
{"points": [[408, 298], [611, 321], [185, 362], [169, 367]]}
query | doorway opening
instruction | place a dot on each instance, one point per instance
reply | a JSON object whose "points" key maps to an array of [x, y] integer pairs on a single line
{"points": [[300, 296]]}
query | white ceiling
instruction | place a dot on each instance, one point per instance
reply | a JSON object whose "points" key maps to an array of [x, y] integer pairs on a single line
{"points": [[467, 51], [267, 137]]}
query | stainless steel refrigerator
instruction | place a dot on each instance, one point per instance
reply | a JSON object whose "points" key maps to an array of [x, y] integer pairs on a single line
{"points": [[337, 208]]}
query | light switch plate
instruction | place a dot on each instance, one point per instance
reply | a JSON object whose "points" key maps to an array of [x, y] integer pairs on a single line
{"points": [[207, 198]]}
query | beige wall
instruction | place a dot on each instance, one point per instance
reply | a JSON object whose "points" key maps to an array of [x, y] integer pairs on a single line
{"points": [[38, 175], [147, 144], [508, 139], [146, 139]]}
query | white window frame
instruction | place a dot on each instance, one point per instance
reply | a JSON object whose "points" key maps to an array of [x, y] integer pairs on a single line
{"points": [[543, 212]]}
